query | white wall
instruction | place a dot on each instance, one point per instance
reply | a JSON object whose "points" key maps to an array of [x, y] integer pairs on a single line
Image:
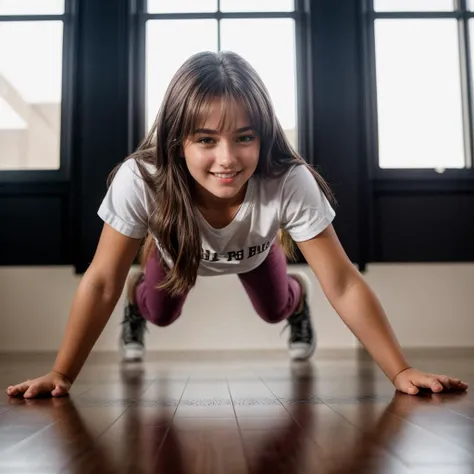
{"points": [[428, 305]]}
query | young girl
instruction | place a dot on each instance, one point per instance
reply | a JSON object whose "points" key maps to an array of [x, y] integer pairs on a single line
{"points": [[214, 189]]}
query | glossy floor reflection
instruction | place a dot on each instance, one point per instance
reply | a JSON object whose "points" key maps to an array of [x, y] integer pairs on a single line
{"points": [[231, 416]]}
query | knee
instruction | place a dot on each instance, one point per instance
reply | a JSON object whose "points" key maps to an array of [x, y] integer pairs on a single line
{"points": [[162, 323], [272, 315], [163, 317]]}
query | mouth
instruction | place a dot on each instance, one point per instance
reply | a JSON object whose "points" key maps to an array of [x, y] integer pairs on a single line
{"points": [[226, 174], [226, 177]]}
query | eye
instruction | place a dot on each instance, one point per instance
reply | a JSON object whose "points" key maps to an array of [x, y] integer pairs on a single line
{"points": [[246, 138], [206, 140]]}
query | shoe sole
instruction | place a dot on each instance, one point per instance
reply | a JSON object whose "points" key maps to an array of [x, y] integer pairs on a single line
{"points": [[308, 354], [132, 353]]}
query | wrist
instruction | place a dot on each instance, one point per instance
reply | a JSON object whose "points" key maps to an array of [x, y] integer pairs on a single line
{"points": [[68, 379], [399, 372]]}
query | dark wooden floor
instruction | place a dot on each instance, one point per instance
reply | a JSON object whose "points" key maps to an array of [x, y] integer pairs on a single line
{"points": [[231, 415]]}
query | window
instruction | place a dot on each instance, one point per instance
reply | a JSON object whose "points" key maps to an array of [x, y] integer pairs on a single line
{"points": [[163, 59], [264, 40], [31, 48], [421, 84], [177, 29], [413, 5], [255, 6], [181, 6], [419, 94]]}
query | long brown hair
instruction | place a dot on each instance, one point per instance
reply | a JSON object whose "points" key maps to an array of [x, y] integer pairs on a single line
{"points": [[203, 78]]}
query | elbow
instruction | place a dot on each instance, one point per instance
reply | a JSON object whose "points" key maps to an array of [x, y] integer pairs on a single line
{"points": [[109, 287], [343, 285]]}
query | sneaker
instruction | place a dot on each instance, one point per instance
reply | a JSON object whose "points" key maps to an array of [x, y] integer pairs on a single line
{"points": [[132, 340], [302, 340]]}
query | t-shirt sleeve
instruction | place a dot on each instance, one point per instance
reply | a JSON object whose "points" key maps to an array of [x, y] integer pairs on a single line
{"points": [[124, 206], [306, 211]]}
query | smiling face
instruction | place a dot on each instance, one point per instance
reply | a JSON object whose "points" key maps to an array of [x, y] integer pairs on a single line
{"points": [[221, 158]]}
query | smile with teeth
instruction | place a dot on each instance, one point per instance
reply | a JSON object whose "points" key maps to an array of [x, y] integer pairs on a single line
{"points": [[226, 175]]}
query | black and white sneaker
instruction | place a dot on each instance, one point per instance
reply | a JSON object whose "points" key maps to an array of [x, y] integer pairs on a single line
{"points": [[132, 340], [302, 340]]}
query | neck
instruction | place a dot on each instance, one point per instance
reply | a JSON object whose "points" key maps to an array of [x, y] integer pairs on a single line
{"points": [[205, 200]]}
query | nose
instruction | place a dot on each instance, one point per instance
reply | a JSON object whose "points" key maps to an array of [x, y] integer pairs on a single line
{"points": [[226, 154]]}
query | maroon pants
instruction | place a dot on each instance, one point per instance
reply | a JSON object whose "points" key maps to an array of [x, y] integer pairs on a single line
{"points": [[274, 294]]}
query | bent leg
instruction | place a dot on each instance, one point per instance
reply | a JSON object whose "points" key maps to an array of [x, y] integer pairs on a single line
{"points": [[274, 294], [157, 305]]}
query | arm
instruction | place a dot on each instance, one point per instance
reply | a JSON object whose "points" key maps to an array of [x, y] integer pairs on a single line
{"points": [[361, 311], [96, 298], [94, 301]]}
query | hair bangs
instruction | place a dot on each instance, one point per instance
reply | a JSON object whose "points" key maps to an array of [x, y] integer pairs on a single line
{"points": [[200, 106]]}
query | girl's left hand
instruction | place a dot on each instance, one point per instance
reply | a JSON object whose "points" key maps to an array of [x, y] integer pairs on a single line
{"points": [[411, 380]]}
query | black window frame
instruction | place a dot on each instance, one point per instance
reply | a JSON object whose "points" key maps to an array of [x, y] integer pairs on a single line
{"points": [[411, 179], [51, 216], [63, 173], [412, 215]]}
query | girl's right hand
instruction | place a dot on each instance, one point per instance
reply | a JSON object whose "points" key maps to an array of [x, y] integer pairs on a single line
{"points": [[53, 384]]}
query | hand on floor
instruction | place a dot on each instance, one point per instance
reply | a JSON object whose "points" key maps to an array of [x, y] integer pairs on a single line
{"points": [[411, 380], [53, 384]]}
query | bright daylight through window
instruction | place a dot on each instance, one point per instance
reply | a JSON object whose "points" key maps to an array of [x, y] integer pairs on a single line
{"points": [[420, 116], [30, 84], [259, 40]]}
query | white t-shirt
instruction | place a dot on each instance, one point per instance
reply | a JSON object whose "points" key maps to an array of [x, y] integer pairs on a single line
{"points": [[294, 201]]}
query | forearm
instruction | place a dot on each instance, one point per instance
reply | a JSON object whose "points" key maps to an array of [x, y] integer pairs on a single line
{"points": [[362, 312], [90, 311]]}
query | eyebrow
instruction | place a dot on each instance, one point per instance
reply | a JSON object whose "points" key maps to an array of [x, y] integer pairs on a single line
{"points": [[215, 132]]}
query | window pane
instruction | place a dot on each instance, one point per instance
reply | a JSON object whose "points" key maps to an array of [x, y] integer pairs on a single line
{"points": [[264, 40], [413, 5], [30, 92], [164, 57], [470, 4], [471, 41], [31, 7], [419, 94], [257, 5], [181, 6]]}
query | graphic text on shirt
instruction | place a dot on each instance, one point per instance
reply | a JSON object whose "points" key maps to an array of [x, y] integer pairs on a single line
{"points": [[209, 256]]}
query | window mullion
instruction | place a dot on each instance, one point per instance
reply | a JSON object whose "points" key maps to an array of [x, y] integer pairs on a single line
{"points": [[466, 83]]}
